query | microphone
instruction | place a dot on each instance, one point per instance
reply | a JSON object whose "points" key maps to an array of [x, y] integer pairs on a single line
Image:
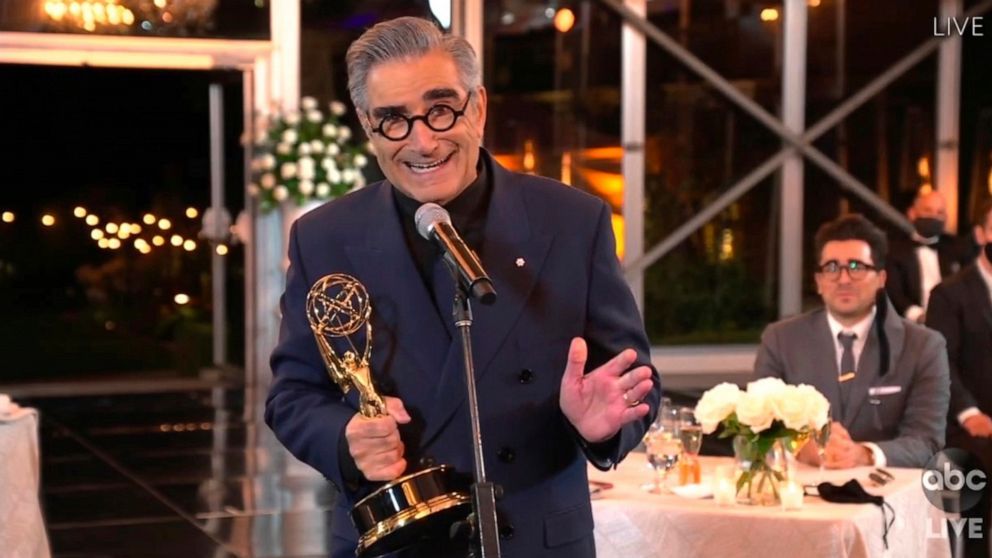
{"points": [[434, 224]]}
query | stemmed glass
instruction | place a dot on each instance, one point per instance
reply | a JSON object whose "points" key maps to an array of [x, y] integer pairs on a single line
{"points": [[663, 447], [691, 436], [820, 438]]}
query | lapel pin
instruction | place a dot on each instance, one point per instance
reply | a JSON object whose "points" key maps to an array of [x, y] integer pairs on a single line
{"points": [[520, 262], [845, 377]]}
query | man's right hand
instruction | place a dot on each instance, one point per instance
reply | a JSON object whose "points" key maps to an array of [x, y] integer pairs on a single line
{"points": [[979, 426], [375, 444]]}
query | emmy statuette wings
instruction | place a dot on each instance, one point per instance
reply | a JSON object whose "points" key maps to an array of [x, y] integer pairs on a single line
{"points": [[338, 306]]}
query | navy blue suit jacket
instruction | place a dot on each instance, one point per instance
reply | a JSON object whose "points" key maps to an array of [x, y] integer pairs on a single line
{"points": [[549, 250]]}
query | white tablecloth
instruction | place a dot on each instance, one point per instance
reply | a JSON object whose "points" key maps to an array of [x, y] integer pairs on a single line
{"points": [[631, 523], [22, 528]]}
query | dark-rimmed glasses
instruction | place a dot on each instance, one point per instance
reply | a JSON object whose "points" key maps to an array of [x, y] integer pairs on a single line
{"points": [[440, 118], [856, 269]]}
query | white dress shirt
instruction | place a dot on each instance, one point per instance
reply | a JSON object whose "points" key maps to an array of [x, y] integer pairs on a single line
{"points": [[926, 256], [987, 276], [861, 330]]}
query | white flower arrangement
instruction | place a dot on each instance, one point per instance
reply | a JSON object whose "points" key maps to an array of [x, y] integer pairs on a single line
{"points": [[306, 155], [769, 407], [769, 414]]}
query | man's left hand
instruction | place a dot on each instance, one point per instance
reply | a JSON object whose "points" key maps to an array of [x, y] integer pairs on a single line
{"points": [[599, 403], [842, 452]]}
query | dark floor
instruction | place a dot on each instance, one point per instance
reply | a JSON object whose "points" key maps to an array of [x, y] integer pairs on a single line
{"points": [[173, 475], [180, 474]]}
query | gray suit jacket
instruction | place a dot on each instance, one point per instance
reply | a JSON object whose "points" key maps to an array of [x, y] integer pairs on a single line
{"points": [[908, 425]]}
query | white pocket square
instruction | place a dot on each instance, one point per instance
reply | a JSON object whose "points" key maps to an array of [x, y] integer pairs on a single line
{"points": [[884, 390]]}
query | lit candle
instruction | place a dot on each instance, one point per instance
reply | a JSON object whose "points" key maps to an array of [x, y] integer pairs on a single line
{"points": [[791, 494], [724, 492]]}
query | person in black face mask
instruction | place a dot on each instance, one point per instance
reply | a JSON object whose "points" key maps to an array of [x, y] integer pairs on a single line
{"points": [[961, 309], [919, 263]]}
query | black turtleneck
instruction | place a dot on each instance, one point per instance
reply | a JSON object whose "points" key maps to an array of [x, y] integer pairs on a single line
{"points": [[468, 216]]}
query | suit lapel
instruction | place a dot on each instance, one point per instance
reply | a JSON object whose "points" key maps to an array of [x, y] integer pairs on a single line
{"points": [[513, 256], [403, 315], [979, 291], [915, 275], [948, 265], [869, 365]]}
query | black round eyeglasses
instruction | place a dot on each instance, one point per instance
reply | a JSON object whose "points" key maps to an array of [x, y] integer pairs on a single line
{"points": [[440, 118]]}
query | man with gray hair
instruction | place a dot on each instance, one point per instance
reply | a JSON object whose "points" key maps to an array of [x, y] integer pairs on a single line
{"points": [[561, 359]]}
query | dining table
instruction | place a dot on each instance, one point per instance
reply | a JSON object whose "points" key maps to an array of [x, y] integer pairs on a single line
{"points": [[22, 525], [632, 522]]}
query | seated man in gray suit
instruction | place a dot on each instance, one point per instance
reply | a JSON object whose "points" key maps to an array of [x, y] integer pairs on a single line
{"points": [[886, 377]]}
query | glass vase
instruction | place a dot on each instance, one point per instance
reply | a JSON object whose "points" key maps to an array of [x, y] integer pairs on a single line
{"points": [[761, 465]]}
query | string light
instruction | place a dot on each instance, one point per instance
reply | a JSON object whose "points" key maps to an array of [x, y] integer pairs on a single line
{"points": [[149, 219], [176, 240], [79, 212], [96, 234], [8, 217], [164, 224], [92, 220], [181, 298], [564, 20], [157, 240], [189, 245], [221, 250], [47, 220], [191, 212]]}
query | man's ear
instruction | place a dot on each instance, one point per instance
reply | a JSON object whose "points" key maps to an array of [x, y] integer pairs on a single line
{"points": [[882, 276], [979, 235]]}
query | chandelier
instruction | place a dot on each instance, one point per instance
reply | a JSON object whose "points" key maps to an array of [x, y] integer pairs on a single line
{"points": [[156, 17]]}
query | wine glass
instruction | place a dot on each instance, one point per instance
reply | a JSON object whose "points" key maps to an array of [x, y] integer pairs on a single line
{"points": [[820, 438], [690, 432], [663, 449], [691, 436]]}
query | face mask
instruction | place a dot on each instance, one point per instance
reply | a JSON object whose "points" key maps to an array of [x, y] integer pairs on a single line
{"points": [[928, 227]]}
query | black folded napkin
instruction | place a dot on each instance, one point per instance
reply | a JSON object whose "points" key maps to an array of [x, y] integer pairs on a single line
{"points": [[852, 492]]}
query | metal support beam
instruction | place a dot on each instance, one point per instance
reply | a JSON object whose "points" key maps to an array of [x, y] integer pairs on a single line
{"points": [[790, 268], [949, 114], [634, 267], [277, 82], [218, 263], [632, 139], [467, 18]]}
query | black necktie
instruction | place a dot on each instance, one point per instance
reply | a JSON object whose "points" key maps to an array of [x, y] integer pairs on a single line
{"points": [[847, 364], [847, 370]]}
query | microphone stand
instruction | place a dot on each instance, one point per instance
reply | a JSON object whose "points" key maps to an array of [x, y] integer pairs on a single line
{"points": [[485, 538]]}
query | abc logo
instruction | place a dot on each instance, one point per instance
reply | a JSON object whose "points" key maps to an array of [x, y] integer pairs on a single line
{"points": [[954, 480]]}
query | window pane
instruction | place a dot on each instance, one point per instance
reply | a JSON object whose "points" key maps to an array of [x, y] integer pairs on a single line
{"points": [[241, 19], [129, 150]]}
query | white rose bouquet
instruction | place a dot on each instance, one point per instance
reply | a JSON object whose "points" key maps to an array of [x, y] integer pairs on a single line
{"points": [[767, 413], [305, 155]]}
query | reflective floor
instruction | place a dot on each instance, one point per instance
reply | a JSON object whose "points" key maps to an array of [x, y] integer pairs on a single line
{"points": [[180, 474], [174, 475]]}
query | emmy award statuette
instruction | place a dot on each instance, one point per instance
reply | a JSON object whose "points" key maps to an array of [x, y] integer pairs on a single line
{"points": [[415, 506]]}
